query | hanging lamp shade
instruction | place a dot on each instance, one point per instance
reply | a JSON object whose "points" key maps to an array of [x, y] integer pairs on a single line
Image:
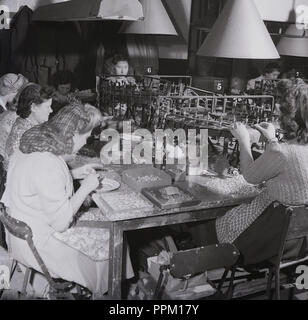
{"points": [[89, 10], [239, 32], [294, 42], [156, 20]]}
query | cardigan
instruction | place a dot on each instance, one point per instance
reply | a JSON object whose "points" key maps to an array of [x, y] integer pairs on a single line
{"points": [[284, 169]]}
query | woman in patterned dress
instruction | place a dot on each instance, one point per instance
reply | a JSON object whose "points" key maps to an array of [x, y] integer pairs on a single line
{"points": [[10, 87], [283, 167], [40, 192], [34, 107]]}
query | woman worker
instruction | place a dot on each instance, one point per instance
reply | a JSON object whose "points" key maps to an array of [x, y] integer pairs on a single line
{"points": [[34, 107], [40, 192], [283, 167], [119, 70], [10, 85]]}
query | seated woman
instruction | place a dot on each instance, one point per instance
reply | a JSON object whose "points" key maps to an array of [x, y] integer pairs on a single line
{"points": [[283, 167], [119, 70], [34, 107], [10, 85], [46, 202], [64, 86]]}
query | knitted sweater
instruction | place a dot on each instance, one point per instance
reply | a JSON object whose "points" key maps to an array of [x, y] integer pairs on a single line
{"points": [[284, 168]]}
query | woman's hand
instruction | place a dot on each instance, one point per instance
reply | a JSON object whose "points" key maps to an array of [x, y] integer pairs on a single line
{"points": [[240, 133], [267, 130], [90, 183], [84, 171]]}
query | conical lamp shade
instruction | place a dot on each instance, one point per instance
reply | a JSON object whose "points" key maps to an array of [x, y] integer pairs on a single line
{"points": [[156, 20], [239, 32], [294, 42]]}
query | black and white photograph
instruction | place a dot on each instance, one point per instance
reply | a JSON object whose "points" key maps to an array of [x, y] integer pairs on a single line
{"points": [[153, 153]]}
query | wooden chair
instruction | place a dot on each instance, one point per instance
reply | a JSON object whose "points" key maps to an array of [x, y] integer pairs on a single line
{"points": [[186, 264], [59, 289], [265, 245]]}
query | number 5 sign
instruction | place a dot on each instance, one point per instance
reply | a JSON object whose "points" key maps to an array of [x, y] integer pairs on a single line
{"points": [[4, 17], [218, 86]]}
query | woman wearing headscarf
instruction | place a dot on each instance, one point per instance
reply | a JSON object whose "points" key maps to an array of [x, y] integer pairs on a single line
{"points": [[40, 192], [10, 87]]}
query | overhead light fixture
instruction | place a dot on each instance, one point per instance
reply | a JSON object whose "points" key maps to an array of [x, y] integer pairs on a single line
{"points": [[294, 42], [156, 21], [239, 32], [90, 10]]}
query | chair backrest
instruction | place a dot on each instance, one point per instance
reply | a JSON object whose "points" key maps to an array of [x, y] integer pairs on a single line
{"points": [[196, 261], [17, 228], [295, 244], [266, 238], [22, 231], [298, 227]]}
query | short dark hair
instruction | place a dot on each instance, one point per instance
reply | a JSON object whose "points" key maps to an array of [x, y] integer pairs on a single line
{"points": [[119, 57], [271, 67], [33, 93], [63, 77]]}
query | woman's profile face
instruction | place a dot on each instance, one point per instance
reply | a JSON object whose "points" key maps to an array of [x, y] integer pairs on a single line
{"points": [[42, 111], [121, 68]]}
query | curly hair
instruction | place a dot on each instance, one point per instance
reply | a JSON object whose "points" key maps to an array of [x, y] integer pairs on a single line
{"points": [[95, 117], [32, 93], [294, 109], [56, 135], [119, 57]]}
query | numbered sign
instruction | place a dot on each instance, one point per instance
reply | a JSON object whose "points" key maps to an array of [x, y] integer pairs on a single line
{"points": [[218, 86], [148, 70]]}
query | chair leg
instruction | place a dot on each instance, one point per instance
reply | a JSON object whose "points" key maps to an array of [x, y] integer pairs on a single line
{"points": [[158, 288], [277, 283], [269, 284], [223, 279], [79, 291], [231, 284], [13, 268], [26, 281]]}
